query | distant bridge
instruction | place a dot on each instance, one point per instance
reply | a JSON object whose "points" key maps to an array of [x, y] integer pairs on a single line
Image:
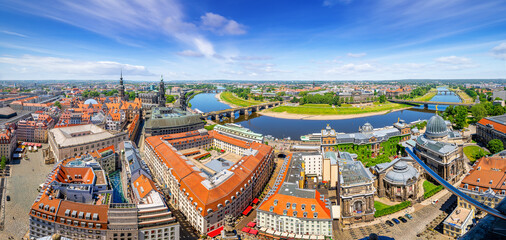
{"points": [[208, 90], [426, 103], [230, 113]]}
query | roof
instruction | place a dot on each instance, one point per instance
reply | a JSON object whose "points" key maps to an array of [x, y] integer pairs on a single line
{"points": [[143, 185], [497, 122], [440, 147], [487, 173], [80, 134], [290, 200], [205, 191]]}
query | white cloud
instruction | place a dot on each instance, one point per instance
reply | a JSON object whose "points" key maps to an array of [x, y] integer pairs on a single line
{"points": [[44, 65], [13, 33], [220, 25], [351, 68], [124, 20], [356, 55], [500, 51], [454, 63], [190, 53]]}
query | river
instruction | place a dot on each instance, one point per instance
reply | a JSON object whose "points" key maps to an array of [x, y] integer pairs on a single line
{"points": [[294, 128]]}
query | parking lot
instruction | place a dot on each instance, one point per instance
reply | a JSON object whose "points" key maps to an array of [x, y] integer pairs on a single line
{"points": [[21, 186], [409, 230]]}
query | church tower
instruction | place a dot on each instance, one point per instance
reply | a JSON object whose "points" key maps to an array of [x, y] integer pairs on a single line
{"points": [[121, 88], [161, 93]]}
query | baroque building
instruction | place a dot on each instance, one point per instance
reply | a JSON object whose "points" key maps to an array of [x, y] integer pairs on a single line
{"points": [[434, 148]]}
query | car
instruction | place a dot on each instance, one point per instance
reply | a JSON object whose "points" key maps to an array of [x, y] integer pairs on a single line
{"points": [[396, 221], [403, 219], [8, 198], [408, 216], [435, 201], [389, 223]]}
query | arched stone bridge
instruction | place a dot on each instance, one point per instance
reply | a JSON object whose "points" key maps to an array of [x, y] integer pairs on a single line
{"points": [[230, 113]]}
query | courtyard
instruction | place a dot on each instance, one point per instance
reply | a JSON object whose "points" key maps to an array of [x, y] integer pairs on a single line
{"points": [[26, 176]]}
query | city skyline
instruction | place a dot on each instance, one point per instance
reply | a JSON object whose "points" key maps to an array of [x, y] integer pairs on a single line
{"points": [[260, 40]]}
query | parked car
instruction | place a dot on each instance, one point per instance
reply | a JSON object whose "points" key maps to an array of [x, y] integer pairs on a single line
{"points": [[389, 223], [435, 201], [409, 216], [8, 198], [396, 221], [403, 219]]}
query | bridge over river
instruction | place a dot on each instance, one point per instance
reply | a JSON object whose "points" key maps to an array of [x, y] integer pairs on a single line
{"points": [[230, 113], [426, 103]]}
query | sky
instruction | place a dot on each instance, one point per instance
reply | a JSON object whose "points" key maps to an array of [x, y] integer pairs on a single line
{"points": [[252, 40]]}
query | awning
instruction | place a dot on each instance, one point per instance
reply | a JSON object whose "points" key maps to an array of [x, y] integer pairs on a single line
{"points": [[255, 201], [19, 149], [247, 210], [16, 155], [253, 231], [215, 232], [252, 224], [246, 229]]}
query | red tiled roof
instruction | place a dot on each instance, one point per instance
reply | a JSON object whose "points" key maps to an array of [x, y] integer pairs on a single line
{"points": [[497, 126]]}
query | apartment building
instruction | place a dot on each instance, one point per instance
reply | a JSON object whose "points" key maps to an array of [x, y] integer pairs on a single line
{"points": [[206, 194]]}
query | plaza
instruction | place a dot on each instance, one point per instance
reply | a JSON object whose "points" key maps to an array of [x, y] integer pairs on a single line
{"points": [[26, 176]]}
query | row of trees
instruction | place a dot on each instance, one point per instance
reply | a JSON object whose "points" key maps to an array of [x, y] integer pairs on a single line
{"points": [[417, 92], [459, 115], [108, 93]]}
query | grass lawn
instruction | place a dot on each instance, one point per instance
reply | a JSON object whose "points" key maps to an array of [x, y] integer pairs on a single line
{"points": [[231, 98], [380, 205], [427, 96], [427, 186], [325, 109], [471, 151], [465, 97]]}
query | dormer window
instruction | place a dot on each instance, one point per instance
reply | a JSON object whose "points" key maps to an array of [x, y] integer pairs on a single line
{"points": [[295, 213], [285, 212], [303, 206], [315, 215], [287, 205], [294, 206], [304, 214], [313, 207], [271, 209], [275, 202], [478, 180], [490, 181]]}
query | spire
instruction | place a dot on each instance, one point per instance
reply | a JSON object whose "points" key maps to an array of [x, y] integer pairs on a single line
{"points": [[121, 77]]}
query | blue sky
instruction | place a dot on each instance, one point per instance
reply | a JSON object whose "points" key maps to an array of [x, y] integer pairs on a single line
{"points": [[252, 40]]}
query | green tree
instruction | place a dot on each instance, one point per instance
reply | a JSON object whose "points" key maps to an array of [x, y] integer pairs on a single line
{"points": [[57, 104], [495, 146], [460, 118], [382, 99], [3, 162], [479, 154], [170, 98], [478, 111]]}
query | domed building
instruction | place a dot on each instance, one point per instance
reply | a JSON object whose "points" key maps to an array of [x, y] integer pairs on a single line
{"points": [[436, 128], [436, 149], [397, 180]]}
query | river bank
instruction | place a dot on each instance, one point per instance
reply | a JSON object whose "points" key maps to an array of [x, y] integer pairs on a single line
{"points": [[218, 96], [285, 115]]}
